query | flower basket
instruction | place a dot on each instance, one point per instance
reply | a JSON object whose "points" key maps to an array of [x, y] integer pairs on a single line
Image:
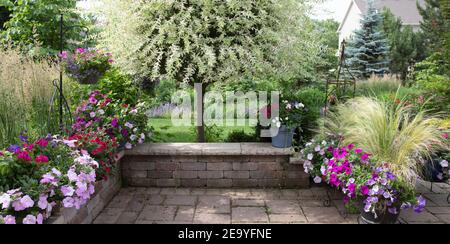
{"points": [[87, 66], [90, 78]]}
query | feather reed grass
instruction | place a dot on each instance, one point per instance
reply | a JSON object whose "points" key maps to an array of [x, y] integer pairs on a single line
{"points": [[25, 92]]}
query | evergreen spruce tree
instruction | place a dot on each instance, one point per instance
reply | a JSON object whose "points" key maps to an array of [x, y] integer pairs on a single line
{"points": [[368, 51]]}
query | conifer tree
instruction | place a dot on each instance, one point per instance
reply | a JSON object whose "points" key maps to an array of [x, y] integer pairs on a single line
{"points": [[368, 51]]}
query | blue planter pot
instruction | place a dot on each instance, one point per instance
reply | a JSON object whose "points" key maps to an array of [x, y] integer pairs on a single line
{"points": [[284, 138]]}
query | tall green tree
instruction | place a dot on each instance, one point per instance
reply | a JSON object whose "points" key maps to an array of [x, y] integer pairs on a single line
{"points": [[206, 41], [406, 46], [434, 24], [326, 30], [433, 74], [36, 23], [368, 51]]}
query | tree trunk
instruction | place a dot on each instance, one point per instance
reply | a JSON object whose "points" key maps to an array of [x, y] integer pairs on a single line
{"points": [[201, 136]]}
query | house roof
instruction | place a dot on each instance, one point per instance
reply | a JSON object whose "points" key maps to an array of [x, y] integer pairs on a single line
{"points": [[405, 9]]}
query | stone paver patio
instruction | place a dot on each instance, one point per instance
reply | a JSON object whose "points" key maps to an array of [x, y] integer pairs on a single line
{"points": [[250, 206]]}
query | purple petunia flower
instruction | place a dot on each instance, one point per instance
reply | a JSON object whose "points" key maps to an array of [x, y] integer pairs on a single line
{"points": [[115, 122], [14, 148], [422, 202]]}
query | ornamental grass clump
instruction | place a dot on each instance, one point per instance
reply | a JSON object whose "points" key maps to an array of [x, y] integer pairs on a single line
{"points": [[26, 89], [393, 134]]}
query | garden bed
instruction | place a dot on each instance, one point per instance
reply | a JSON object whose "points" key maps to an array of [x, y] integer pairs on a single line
{"points": [[104, 192]]}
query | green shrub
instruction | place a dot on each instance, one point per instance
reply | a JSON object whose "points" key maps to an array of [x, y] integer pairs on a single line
{"points": [[164, 91], [241, 136], [118, 86], [433, 75], [213, 133], [313, 99]]}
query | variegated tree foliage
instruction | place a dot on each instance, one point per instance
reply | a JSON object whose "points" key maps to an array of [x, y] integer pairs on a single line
{"points": [[118, 21], [214, 40]]}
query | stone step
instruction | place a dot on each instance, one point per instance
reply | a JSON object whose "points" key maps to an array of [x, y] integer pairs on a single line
{"points": [[214, 165]]}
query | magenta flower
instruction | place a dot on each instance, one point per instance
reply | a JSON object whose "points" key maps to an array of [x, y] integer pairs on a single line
{"points": [[365, 190], [42, 142], [115, 122], [364, 157], [352, 188], [92, 100], [42, 159], [24, 155], [64, 55], [80, 50]]}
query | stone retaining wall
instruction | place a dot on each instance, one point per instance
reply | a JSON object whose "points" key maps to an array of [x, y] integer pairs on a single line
{"points": [[104, 193], [240, 165]]}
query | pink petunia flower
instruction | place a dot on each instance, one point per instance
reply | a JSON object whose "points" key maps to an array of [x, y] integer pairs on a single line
{"points": [[42, 159], [30, 220], [24, 155], [42, 142], [80, 50], [9, 220]]}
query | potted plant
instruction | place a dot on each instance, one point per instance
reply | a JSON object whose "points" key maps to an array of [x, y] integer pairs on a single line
{"points": [[87, 66], [283, 127], [364, 182]]}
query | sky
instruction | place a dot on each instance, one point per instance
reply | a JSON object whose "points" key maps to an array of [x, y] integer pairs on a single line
{"points": [[332, 9]]}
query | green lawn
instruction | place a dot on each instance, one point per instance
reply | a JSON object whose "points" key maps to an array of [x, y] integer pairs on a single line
{"points": [[164, 131]]}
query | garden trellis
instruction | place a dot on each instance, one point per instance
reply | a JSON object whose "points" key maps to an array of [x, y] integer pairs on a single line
{"points": [[58, 99], [336, 89]]}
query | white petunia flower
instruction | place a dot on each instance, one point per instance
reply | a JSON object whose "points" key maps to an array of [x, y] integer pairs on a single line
{"points": [[317, 180]]}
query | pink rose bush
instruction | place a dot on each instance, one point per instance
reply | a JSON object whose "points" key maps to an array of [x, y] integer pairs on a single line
{"points": [[352, 171]]}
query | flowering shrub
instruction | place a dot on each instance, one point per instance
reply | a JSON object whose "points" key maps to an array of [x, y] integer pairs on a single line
{"points": [[350, 170], [36, 192], [86, 65], [98, 145], [22, 162], [123, 122]]}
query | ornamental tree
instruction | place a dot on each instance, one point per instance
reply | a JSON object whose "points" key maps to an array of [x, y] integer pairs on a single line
{"points": [[368, 52], [206, 41]]}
